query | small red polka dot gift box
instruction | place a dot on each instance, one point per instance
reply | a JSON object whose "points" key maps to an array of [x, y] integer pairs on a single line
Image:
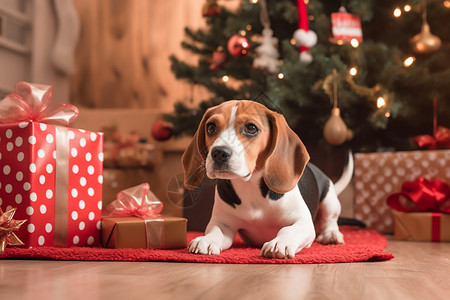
{"points": [[51, 173]]}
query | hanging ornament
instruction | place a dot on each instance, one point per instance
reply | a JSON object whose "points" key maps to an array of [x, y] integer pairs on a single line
{"points": [[218, 59], [335, 131], [210, 8], [425, 41], [162, 130], [304, 38], [345, 27], [267, 53], [238, 45]]}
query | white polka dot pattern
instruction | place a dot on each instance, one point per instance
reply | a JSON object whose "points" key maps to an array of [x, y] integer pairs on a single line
{"points": [[378, 175], [27, 181]]}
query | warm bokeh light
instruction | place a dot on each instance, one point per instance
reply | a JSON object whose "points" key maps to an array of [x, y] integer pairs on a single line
{"points": [[387, 114], [381, 102], [409, 61], [340, 42], [354, 43], [407, 8], [253, 1], [248, 27], [447, 3], [280, 75], [397, 12], [243, 32], [292, 41], [225, 78], [353, 71]]}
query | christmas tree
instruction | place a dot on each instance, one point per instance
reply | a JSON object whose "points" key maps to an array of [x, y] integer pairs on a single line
{"points": [[383, 82]]}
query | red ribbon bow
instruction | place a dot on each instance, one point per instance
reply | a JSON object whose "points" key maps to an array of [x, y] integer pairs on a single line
{"points": [[422, 195], [441, 138], [136, 201], [31, 102]]}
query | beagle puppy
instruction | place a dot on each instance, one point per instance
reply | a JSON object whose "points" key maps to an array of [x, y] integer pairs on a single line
{"points": [[266, 189]]}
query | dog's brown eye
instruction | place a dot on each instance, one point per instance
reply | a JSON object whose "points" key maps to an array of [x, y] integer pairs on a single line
{"points": [[211, 128], [250, 129]]}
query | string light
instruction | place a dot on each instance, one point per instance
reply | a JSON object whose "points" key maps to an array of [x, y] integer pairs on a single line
{"points": [[340, 42], [280, 75], [354, 43], [447, 3], [225, 78], [292, 41], [243, 32], [407, 8], [409, 61], [397, 12], [248, 27], [253, 1], [381, 102], [353, 71], [387, 114]]}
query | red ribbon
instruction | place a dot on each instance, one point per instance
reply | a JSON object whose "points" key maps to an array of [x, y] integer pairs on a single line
{"points": [[441, 138], [31, 102], [435, 227], [136, 201], [422, 195]]}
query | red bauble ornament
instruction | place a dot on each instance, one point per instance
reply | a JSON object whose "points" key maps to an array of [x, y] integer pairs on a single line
{"points": [[218, 60], [238, 45], [162, 130], [210, 8]]}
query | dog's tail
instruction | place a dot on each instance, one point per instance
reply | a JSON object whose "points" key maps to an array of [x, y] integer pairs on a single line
{"points": [[346, 176]]}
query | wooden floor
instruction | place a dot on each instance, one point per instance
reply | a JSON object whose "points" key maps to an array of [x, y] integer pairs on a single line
{"points": [[418, 271]]}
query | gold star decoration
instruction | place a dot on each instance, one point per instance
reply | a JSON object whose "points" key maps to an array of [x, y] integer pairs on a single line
{"points": [[7, 226]]}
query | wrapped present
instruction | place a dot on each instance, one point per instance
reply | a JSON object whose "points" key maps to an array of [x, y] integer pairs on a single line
{"points": [[118, 179], [134, 222], [421, 226], [128, 151], [51, 173], [378, 175], [421, 211]]}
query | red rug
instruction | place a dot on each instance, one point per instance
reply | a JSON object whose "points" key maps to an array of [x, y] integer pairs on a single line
{"points": [[360, 245]]}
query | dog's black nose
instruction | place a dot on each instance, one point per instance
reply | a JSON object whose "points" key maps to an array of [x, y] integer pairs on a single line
{"points": [[220, 155]]}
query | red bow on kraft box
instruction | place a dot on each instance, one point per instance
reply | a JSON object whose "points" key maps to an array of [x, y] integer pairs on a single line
{"points": [[137, 201], [51, 172], [422, 195], [134, 221], [422, 210]]}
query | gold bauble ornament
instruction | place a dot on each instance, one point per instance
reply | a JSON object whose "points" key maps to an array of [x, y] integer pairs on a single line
{"points": [[425, 41], [335, 131]]}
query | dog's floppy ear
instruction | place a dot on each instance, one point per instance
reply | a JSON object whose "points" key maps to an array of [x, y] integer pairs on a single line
{"points": [[194, 156], [287, 156]]}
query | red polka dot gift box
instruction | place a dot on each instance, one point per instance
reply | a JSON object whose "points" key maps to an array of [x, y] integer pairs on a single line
{"points": [[51, 173]]}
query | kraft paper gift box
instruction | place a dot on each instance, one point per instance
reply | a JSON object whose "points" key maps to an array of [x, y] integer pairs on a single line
{"points": [[153, 233], [52, 174], [421, 226], [134, 222], [421, 211], [377, 175]]}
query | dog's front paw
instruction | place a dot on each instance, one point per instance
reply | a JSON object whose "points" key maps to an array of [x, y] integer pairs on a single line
{"points": [[278, 249], [203, 245], [330, 237]]}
